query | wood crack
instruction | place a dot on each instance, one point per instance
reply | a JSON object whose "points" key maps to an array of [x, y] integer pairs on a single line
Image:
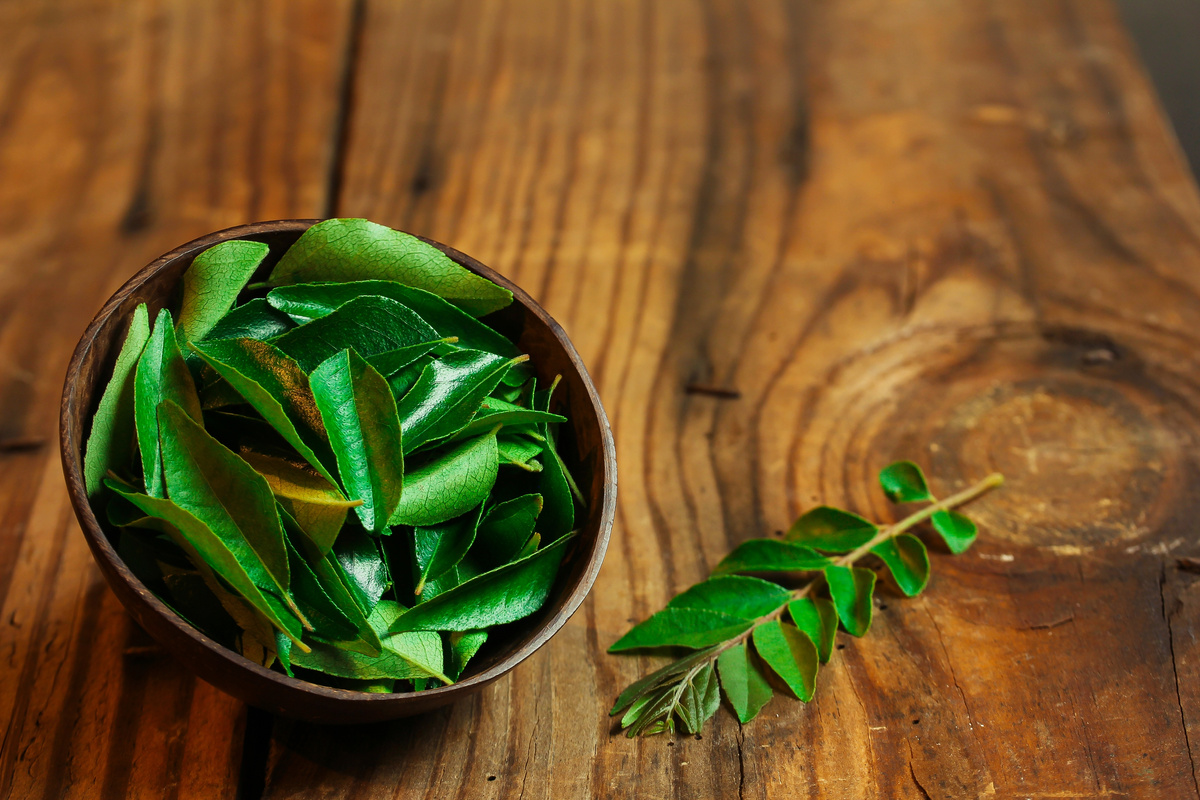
{"points": [[1162, 588]]}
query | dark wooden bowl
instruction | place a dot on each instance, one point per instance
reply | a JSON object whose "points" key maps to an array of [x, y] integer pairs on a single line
{"points": [[587, 445]]}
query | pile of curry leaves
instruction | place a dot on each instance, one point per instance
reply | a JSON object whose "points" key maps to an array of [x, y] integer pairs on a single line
{"points": [[344, 470], [746, 633]]}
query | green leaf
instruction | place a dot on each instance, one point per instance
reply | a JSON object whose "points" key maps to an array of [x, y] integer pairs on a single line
{"points": [[746, 688], [682, 627], [317, 505], [416, 654], [161, 375], [817, 618], [355, 249], [906, 557], [254, 319], [329, 622], [448, 393], [359, 413], [110, 442], [392, 361], [851, 589], [334, 583], [370, 326], [504, 595], [211, 482], [519, 451], [699, 700], [213, 282], [831, 529], [207, 549], [790, 654], [903, 482], [495, 412], [738, 595], [531, 547], [309, 301], [404, 379], [365, 575], [956, 530], [461, 647], [770, 555], [439, 548], [558, 506], [452, 483], [652, 714], [505, 529], [676, 668], [277, 388]]}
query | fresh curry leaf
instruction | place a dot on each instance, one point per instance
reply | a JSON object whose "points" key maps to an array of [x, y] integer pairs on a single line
{"points": [[790, 654], [450, 484], [682, 627], [318, 506], [212, 283], [439, 548], [355, 249], [110, 442], [851, 589], [251, 320], [369, 326], [770, 555], [832, 530], [746, 688], [448, 393], [161, 375], [956, 530], [903, 482], [360, 418], [817, 618], [504, 595], [908, 560], [505, 529]]}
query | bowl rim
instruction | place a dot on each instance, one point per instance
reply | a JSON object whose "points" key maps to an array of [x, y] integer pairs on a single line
{"points": [[70, 442]]}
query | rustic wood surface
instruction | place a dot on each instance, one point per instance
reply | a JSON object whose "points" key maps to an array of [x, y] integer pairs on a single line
{"points": [[956, 231]]}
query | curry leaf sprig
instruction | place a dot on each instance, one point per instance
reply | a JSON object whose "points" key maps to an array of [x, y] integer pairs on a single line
{"points": [[344, 470], [735, 623]]}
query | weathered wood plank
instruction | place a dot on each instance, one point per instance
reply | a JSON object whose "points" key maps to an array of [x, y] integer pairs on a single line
{"points": [[125, 129], [958, 232]]}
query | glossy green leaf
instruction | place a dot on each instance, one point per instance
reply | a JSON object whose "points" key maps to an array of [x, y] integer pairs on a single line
{"points": [[439, 548], [647, 684], [504, 595], [519, 451], [745, 687], [741, 596], [790, 654], [278, 390], [906, 557], [652, 714], [699, 700], [360, 418], [450, 484], [558, 505], [505, 529], [817, 618], [212, 283], [513, 417], [329, 622], [903, 482], [110, 442], [448, 393], [404, 379], [956, 530], [161, 374], [392, 361], [370, 326], [770, 555], [682, 627], [254, 319], [363, 570], [309, 301], [461, 647], [206, 548], [831, 529], [317, 505], [219, 488], [355, 249], [334, 582], [416, 654], [851, 589]]}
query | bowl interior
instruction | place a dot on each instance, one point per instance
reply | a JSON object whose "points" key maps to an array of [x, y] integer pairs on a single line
{"points": [[586, 445]]}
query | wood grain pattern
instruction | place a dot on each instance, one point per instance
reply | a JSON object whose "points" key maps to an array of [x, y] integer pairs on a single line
{"points": [[125, 129], [953, 231]]}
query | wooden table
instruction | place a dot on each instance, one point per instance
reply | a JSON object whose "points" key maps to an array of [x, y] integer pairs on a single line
{"points": [[957, 231]]}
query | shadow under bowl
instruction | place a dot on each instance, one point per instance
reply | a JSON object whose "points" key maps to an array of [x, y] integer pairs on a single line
{"points": [[586, 445]]}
